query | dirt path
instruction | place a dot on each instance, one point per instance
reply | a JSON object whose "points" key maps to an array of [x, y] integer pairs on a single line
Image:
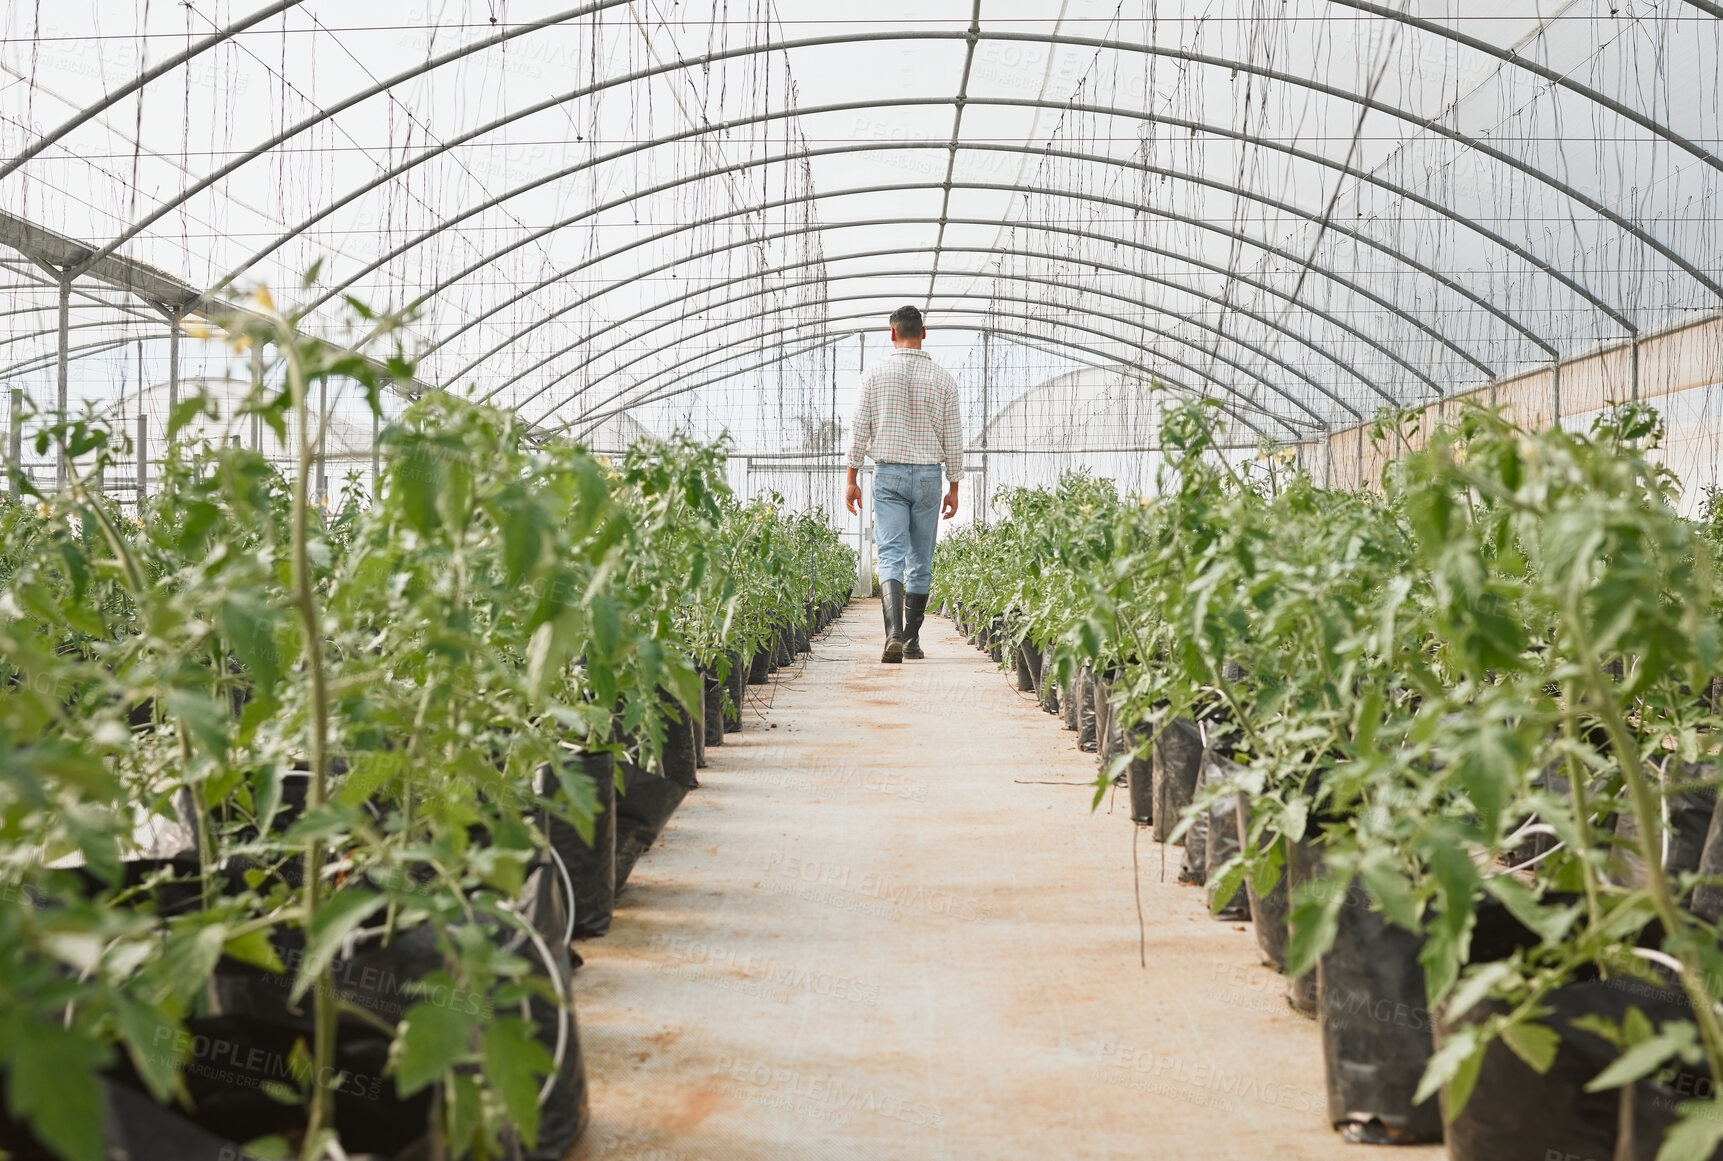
{"points": [[862, 939]]}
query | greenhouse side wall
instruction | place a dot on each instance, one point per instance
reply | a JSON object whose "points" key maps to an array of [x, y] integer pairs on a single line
{"points": [[1678, 371]]}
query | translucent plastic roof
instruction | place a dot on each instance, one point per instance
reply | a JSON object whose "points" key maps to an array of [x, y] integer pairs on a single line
{"points": [[686, 210]]}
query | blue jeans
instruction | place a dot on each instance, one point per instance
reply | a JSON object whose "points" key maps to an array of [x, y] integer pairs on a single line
{"points": [[906, 522]]}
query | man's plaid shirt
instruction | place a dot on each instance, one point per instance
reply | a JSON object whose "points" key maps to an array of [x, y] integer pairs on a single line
{"points": [[908, 414]]}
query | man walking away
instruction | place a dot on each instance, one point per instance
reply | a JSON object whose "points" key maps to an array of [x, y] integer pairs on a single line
{"points": [[906, 419]]}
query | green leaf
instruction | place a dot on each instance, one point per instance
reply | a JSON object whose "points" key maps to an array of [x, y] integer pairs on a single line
{"points": [[148, 1036], [1645, 1057], [1453, 1066], [1314, 921], [270, 1148], [1536, 1044], [433, 1039], [255, 949], [514, 1063], [248, 624], [1475, 986], [1227, 885], [189, 956], [1550, 923], [1696, 1135], [1389, 887], [184, 411], [51, 1082], [204, 719], [524, 530], [336, 918]]}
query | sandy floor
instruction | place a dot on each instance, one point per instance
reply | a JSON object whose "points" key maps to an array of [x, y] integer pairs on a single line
{"points": [[863, 938]]}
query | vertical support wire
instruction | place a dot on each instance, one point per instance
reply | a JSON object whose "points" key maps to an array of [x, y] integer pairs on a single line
{"points": [[15, 442], [62, 376]]}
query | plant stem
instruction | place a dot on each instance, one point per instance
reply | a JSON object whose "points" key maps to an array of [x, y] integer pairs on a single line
{"points": [[320, 1117], [1675, 927], [1581, 812]]}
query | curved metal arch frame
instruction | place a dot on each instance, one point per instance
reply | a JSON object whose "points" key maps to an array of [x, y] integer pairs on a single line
{"points": [[1316, 420], [44, 361], [149, 75], [1541, 71], [1433, 275], [803, 155], [814, 42], [591, 419], [1124, 341], [1439, 278], [723, 353], [97, 324], [827, 278], [1090, 42], [1514, 249], [1038, 228], [325, 113]]}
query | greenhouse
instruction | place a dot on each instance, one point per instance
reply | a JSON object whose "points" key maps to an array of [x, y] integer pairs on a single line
{"points": [[682, 580]]}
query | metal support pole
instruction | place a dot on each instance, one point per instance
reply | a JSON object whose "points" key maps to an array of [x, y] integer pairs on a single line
{"points": [[1555, 395], [62, 375], [376, 452], [986, 408], [322, 434], [15, 441], [173, 363], [1633, 364], [143, 457]]}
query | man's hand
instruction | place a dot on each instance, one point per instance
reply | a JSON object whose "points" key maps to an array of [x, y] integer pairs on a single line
{"points": [[852, 497], [949, 508]]}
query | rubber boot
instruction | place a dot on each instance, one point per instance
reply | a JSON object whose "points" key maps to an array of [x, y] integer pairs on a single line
{"points": [[914, 613], [891, 600]]}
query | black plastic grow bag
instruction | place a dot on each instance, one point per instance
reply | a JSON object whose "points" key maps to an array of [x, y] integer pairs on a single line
{"points": [[253, 1021], [680, 759], [737, 686], [713, 718], [134, 1128], [1515, 1111], [1086, 724], [1376, 1034], [591, 869], [1048, 687], [1690, 814], [1178, 753], [760, 667], [1268, 911], [645, 805], [1213, 840], [1021, 656], [1303, 865], [1029, 655], [1140, 776], [1707, 900]]}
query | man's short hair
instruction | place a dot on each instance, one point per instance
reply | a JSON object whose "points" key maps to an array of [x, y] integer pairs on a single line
{"points": [[906, 323]]}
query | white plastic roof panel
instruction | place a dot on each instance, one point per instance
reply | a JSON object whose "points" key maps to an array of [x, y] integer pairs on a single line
{"points": [[688, 213]]}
